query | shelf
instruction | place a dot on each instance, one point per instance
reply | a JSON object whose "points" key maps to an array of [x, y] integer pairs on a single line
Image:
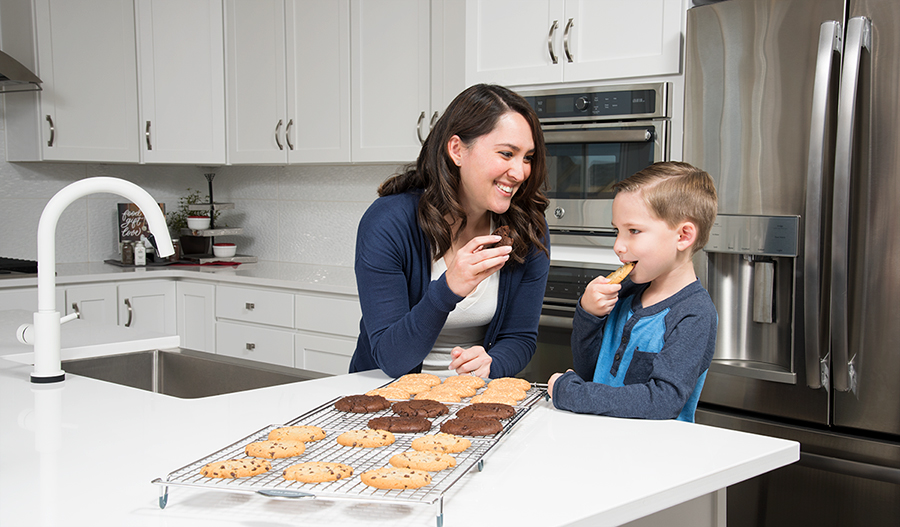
{"points": [[225, 231], [213, 206]]}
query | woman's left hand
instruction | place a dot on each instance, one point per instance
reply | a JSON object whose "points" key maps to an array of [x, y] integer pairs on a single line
{"points": [[471, 361]]}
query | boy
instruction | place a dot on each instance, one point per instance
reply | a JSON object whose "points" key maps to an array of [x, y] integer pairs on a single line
{"points": [[641, 349]]}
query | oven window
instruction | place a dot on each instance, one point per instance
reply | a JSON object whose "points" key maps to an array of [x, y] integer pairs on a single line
{"points": [[589, 170]]}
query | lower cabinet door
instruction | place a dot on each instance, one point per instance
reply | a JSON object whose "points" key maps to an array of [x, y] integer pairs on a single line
{"points": [[269, 345], [324, 354]]}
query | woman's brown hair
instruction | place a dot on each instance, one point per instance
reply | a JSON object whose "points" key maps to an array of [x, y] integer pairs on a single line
{"points": [[472, 114]]}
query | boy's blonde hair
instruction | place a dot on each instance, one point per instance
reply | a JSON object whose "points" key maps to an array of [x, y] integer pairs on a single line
{"points": [[676, 192]]}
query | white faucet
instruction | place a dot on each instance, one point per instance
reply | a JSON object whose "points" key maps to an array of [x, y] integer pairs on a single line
{"points": [[44, 333]]}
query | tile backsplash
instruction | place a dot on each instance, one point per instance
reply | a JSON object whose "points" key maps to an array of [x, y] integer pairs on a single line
{"points": [[299, 214]]}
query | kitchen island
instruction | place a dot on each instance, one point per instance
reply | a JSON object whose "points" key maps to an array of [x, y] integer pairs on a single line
{"points": [[85, 452]]}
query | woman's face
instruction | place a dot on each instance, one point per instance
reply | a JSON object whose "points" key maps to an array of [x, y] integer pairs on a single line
{"points": [[494, 166]]}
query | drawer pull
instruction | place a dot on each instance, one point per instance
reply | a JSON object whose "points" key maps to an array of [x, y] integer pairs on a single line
{"points": [[249, 306], [251, 346]]}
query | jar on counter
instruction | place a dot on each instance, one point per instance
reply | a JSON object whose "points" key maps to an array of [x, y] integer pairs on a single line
{"points": [[127, 253], [140, 254]]}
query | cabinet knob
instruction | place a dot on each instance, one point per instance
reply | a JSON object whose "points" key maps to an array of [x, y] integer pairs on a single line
{"points": [[249, 306], [251, 346]]}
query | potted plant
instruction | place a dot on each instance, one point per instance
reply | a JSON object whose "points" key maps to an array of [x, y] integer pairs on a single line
{"points": [[178, 220]]}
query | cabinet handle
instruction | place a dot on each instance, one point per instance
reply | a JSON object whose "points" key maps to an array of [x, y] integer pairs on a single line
{"points": [[434, 119], [251, 346], [130, 313], [419, 128], [52, 131], [75, 309], [277, 141], [147, 135], [566, 40], [249, 306], [287, 134], [553, 29]]}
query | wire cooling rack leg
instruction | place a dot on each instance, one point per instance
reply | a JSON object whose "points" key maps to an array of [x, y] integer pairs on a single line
{"points": [[440, 512], [163, 497]]}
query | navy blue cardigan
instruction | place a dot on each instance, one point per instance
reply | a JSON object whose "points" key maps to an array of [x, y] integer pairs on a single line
{"points": [[403, 311]]}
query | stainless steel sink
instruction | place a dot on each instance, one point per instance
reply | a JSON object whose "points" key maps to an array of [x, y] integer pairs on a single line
{"points": [[186, 374]]}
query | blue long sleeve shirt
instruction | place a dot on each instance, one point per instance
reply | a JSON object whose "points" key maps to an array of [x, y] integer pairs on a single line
{"points": [[403, 310], [641, 362]]}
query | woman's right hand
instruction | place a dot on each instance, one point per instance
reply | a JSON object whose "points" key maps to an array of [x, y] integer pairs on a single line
{"points": [[473, 263]]}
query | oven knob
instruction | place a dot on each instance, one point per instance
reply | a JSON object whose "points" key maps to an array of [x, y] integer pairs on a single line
{"points": [[559, 212], [582, 103]]}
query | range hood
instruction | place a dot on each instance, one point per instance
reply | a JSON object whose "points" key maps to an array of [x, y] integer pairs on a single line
{"points": [[14, 77]]}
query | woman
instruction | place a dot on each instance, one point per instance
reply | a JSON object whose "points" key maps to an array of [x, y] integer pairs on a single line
{"points": [[435, 296]]}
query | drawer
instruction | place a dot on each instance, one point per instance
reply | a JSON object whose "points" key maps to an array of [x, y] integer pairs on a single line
{"points": [[338, 316], [270, 345], [258, 306], [323, 354]]}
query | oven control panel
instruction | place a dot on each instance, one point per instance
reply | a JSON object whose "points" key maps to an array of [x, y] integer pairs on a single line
{"points": [[600, 103], [566, 284]]}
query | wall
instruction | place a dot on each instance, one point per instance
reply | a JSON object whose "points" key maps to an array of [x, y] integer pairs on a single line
{"points": [[305, 214]]}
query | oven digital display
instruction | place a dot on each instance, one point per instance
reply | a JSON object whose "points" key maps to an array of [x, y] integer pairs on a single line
{"points": [[596, 104]]}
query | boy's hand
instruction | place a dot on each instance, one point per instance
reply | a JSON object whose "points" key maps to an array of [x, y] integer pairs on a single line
{"points": [[552, 381], [600, 296]]}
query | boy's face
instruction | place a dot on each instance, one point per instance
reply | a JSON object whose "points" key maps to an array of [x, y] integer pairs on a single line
{"points": [[643, 238]]}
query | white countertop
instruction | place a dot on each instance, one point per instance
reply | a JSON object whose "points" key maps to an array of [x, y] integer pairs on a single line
{"points": [[306, 277], [84, 454]]}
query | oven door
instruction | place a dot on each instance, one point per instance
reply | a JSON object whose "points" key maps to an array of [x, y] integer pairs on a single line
{"points": [[565, 285], [585, 161]]}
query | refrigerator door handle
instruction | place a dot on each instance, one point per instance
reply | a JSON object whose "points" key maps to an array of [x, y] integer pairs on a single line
{"points": [[859, 37], [830, 44]]}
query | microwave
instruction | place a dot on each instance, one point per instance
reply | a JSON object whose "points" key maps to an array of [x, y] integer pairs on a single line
{"points": [[595, 138]]}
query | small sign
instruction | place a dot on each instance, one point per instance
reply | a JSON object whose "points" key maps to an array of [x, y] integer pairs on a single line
{"points": [[132, 224]]}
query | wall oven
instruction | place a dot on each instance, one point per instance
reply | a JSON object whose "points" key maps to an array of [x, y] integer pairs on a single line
{"points": [[595, 137]]}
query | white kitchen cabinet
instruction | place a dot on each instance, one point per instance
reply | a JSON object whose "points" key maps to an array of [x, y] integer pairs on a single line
{"points": [[148, 306], [556, 41], [84, 52], [97, 303], [195, 311], [390, 79], [144, 305], [26, 298], [264, 344], [328, 326], [180, 46], [255, 305], [288, 78]]}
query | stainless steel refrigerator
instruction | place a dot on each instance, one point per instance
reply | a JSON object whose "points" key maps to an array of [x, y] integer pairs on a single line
{"points": [[793, 106]]}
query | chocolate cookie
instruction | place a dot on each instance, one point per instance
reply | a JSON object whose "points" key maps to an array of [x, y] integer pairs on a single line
{"points": [[400, 423], [362, 404], [487, 410], [420, 408], [471, 427], [505, 234]]}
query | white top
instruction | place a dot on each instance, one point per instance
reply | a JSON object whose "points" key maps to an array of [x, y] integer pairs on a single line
{"points": [[466, 325]]}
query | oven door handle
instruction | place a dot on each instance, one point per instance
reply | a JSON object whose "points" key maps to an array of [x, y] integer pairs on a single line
{"points": [[599, 136], [554, 321]]}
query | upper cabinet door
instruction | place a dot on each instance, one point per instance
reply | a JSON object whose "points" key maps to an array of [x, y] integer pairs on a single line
{"points": [[182, 81], [514, 42], [318, 81], [89, 98], [390, 59], [611, 39], [556, 41], [255, 70]]}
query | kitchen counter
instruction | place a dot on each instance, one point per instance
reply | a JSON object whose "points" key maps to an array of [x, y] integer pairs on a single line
{"points": [[85, 453], [306, 277]]}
